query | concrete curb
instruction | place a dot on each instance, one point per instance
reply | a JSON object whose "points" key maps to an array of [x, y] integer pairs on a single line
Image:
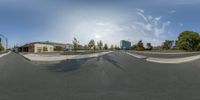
{"points": [[166, 60], [88, 55], [136, 55], [62, 57], [166, 52], [173, 60], [24, 56], [4, 54]]}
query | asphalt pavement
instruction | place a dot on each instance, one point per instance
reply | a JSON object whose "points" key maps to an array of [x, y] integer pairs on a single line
{"points": [[115, 76]]}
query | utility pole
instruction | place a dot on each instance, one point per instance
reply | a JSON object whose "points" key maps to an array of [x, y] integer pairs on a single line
{"points": [[6, 39]]}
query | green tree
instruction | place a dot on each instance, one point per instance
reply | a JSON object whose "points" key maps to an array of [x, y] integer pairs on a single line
{"points": [[112, 47], [167, 44], [198, 47], [134, 47], [100, 45], [116, 47], [175, 47], [91, 44], [188, 40], [1, 46], [105, 46], [75, 44], [58, 48], [140, 46], [149, 46], [95, 47], [86, 47]]}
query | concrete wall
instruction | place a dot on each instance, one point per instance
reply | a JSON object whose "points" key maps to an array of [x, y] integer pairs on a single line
{"points": [[41, 48]]}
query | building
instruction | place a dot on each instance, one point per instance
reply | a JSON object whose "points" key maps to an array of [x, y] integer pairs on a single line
{"points": [[37, 47], [69, 47], [125, 44]]}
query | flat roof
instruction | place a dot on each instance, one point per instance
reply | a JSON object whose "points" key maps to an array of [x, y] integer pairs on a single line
{"points": [[45, 42]]}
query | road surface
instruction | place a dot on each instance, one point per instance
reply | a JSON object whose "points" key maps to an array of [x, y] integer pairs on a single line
{"points": [[115, 76]]}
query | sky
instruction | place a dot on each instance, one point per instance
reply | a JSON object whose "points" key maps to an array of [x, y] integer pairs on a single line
{"points": [[24, 21]]}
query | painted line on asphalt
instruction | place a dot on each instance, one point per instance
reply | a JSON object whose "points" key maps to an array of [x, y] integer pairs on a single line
{"points": [[136, 55]]}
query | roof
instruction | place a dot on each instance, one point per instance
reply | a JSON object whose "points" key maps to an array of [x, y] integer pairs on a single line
{"points": [[46, 42]]}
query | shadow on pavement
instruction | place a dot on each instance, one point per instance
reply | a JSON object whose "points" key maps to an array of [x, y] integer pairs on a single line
{"points": [[68, 65], [112, 61], [75, 64]]}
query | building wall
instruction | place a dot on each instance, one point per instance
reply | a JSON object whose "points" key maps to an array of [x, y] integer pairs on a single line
{"points": [[125, 44], [31, 48], [41, 48], [69, 47]]}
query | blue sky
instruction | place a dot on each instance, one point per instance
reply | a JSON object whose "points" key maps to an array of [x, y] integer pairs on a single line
{"points": [[152, 21]]}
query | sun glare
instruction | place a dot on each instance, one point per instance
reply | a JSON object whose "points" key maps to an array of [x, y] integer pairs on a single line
{"points": [[97, 36]]}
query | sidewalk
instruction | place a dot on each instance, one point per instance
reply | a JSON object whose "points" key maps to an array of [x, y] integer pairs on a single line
{"points": [[151, 52], [4, 54], [49, 58], [173, 60], [166, 59], [165, 55]]}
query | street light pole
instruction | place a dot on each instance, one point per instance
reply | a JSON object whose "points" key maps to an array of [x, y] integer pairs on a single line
{"points": [[1, 35]]}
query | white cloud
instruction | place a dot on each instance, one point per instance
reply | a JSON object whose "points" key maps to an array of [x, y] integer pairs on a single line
{"points": [[150, 17], [147, 27], [172, 11], [152, 25], [158, 18], [181, 25], [111, 27], [142, 15], [140, 10], [101, 24]]}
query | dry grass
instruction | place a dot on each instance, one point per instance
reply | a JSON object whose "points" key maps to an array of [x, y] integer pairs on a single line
{"points": [[1, 52]]}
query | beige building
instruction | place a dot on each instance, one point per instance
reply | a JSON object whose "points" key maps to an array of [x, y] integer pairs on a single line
{"points": [[37, 47]]}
